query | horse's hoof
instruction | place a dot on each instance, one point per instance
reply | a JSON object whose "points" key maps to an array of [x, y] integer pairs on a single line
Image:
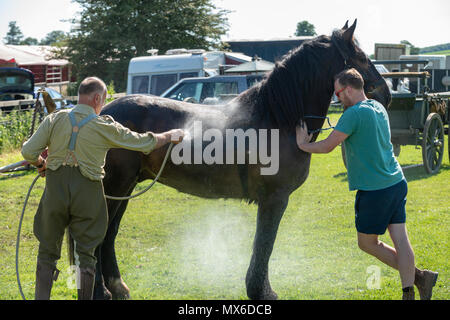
{"points": [[118, 289], [263, 295], [271, 296]]}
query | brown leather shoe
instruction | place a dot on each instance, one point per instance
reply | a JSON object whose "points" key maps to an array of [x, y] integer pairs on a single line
{"points": [[425, 280], [45, 275], [86, 290]]}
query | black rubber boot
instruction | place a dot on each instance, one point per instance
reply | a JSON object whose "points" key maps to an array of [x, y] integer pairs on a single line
{"points": [[86, 290], [45, 275]]}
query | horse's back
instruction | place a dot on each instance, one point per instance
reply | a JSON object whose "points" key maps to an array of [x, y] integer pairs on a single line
{"points": [[151, 113]]}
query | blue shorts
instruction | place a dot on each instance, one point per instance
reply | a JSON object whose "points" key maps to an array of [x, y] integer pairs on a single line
{"points": [[376, 210]]}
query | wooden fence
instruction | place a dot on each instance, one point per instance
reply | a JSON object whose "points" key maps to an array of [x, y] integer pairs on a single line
{"points": [[30, 102]]}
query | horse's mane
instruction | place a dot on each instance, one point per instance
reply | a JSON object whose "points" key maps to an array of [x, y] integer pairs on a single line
{"points": [[304, 74]]}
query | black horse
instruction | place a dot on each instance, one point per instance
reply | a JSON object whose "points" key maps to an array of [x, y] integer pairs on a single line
{"points": [[300, 85]]}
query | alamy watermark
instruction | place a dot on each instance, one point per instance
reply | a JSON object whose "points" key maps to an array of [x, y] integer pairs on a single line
{"points": [[374, 279], [232, 142]]}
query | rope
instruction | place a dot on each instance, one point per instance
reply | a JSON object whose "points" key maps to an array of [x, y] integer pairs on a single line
{"points": [[18, 236], [151, 184]]}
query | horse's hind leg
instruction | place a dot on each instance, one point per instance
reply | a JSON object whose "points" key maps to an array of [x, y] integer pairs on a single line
{"points": [[270, 211], [110, 268], [122, 167]]}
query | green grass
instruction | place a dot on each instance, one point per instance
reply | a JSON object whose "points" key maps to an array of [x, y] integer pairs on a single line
{"points": [[444, 52], [176, 246]]}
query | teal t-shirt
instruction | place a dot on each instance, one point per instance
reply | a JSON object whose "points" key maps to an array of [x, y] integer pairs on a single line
{"points": [[371, 164]]}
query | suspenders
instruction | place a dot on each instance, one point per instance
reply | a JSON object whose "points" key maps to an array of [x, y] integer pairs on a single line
{"points": [[73, 138]]}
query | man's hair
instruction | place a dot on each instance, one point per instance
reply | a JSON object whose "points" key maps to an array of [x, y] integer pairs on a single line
{"points": [[350, 77], [91, 85]]}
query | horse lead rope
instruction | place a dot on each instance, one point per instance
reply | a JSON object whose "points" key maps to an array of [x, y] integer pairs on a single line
{"points": [[151, 184], [321, 129], [106, 196]]}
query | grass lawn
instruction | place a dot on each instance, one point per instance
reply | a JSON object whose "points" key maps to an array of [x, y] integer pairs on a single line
{"points": [[176, 246]]}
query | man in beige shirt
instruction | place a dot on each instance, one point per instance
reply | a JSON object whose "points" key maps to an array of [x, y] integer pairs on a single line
{"points": [[77, 142]]}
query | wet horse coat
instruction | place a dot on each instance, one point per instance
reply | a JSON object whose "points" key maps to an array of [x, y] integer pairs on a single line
{"points": [[300, 85]]}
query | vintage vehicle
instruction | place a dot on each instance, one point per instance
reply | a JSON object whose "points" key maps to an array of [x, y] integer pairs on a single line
{"points": [[16, 84], [421, 120], [211, 90]]}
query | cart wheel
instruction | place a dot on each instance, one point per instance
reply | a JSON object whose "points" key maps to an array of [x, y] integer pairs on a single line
{"points": [[433, 143], [343, 155]]}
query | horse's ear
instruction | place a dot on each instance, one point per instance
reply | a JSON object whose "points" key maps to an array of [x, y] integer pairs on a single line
{"points": [[345, 27], [348, 34]]}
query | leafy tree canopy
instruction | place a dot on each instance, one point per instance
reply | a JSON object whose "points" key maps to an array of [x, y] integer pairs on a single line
{"points": [[30, 41], [413, 50], [53, 38], [304, 28], [109, 33], [14, 35]]}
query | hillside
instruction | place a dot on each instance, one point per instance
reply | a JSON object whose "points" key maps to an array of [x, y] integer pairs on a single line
{"points": [[437, 49]]}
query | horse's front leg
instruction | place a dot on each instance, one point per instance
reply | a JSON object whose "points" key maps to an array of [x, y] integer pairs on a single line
{"points": [[270, 211]]}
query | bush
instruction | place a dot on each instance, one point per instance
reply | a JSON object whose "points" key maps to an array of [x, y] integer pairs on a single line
{"points": [[14, 129], [110, 92]]}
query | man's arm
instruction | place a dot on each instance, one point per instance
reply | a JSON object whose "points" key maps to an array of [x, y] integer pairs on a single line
{"points": [[119, 136], [324, 146], [33, 147]]}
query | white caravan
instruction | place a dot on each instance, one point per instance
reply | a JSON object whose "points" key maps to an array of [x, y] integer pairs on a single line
{"points": [[155, 74]]}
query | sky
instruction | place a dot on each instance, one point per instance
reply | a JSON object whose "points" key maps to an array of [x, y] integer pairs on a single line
{"points": [[423, 23]]}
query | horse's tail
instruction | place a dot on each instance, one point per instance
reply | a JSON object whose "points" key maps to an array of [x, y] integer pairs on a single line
{"points": [[70, 248]]}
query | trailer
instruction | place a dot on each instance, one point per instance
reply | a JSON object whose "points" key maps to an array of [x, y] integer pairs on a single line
{"points": [[421, 121]]}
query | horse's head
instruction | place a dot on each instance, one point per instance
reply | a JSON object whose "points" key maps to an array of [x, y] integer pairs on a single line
{"points": [[301, 84], [353, 57]]}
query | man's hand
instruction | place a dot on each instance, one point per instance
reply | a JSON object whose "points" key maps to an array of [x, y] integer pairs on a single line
{"points": [[41, 165], [176, 135], [302, 135], [42, 168]]}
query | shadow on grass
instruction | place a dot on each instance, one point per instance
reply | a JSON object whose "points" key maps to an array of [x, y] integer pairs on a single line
{"points": [[419, 173], [342, 175], [411, 174]]}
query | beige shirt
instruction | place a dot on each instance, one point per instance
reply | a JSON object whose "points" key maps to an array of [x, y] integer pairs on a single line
{"points": [[94, 140]]}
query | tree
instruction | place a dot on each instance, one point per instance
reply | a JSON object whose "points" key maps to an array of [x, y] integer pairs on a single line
{"points": [[30, 41], [304, 28], [53, 38], [14, 35], [109, 33], [413, 50]]}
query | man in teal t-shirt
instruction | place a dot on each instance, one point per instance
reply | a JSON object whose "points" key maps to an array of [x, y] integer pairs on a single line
{"points": [[369, 153], [374, 171]]}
